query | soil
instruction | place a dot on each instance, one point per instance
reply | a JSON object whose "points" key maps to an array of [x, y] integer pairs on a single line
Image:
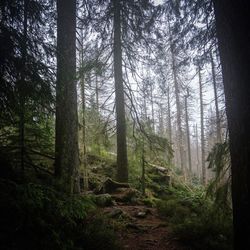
{"points": [[143, 228]]}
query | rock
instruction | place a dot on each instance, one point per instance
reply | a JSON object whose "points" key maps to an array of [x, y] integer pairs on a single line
{"points": [[135, 227], [104, 200], [141, 214], [159, 174], [115, 212], [110, 186], [126, 195], [120, 214]]}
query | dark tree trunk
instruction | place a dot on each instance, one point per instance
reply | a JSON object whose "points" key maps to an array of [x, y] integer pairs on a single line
{"points": [[218, 127], [203, 166], [178, 111], [169, 117], [97, 110], [122, 160], [233, 31], [143, 170], [83, 97], [188, 134], [152, 106], [67, 154], [161, 123], [197, 151], [22, 96], [84, 158], [96, 93]]}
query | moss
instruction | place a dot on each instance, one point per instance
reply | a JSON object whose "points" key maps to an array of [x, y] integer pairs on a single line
{"points": [[103, 200], [149, 202]]}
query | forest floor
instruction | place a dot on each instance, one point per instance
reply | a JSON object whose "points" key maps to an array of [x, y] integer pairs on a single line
{"points": [[143, 228]]}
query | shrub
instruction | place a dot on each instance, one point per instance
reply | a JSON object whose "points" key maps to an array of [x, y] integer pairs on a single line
{"points": [[197, 221], [167, 207], [38, 217], [209, 230]]}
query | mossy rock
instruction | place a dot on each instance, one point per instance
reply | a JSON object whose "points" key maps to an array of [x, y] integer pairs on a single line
{"points": [[110, 186], [127, 195], [150, 201], [104, 200]]}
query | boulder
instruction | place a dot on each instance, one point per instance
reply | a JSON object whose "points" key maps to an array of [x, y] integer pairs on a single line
{"points": [[104, 200], [110, 186], [128, 195]]}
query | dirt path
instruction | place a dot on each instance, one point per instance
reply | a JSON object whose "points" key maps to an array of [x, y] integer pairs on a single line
{"points": [[144, 229]]}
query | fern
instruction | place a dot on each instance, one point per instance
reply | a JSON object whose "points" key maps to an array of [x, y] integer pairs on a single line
{"points": [[220, 187]]}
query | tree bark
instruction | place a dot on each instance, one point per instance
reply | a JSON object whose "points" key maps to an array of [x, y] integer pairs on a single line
{"points": [[169, 117], [178, 110], [161, 117], [203, 166], [22, 84], [97, 111], [122, 160], [188, 135], [197, 151], [143, 169], [233, 31], [84, 156], [218, 127], [67, 152], [152, 106]]}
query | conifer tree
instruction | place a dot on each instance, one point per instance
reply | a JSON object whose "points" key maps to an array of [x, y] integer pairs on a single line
{"points": [[233, 31], [67, 156]]}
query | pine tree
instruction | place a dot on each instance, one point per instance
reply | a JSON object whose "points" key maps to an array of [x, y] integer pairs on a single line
{"points": [[233, 31], [122, 160], [188, 133], [203, 166], [67, 156], [218, 125], [26, 81], [178, 110]]}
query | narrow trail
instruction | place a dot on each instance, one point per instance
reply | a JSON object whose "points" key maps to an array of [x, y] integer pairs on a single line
{"points": [[144, 229]]}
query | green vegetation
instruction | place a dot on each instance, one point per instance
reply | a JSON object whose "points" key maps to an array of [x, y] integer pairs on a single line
{"points": [[122, 112], [36, 216], [197, 220]]}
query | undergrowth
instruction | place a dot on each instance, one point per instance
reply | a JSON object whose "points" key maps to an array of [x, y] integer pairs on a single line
{"points": [[34, 216], [196, 220]]}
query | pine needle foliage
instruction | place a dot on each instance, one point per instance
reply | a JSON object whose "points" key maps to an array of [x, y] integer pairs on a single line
{"points": [[35, 216], [220, 187]]}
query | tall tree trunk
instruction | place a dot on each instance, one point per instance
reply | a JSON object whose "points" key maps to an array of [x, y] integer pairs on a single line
{"points": [[96, 93], [122, 160], [67, 154], [188, 135], [233, 31], [203, 166], [218, 127], [83, 97], [143, 169], [178, 110], [197, 151], [84, 157], [97, 110], [22, 84], [145, 115], [169, 117], [169, 122], [161, 124], [152, 106]]}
